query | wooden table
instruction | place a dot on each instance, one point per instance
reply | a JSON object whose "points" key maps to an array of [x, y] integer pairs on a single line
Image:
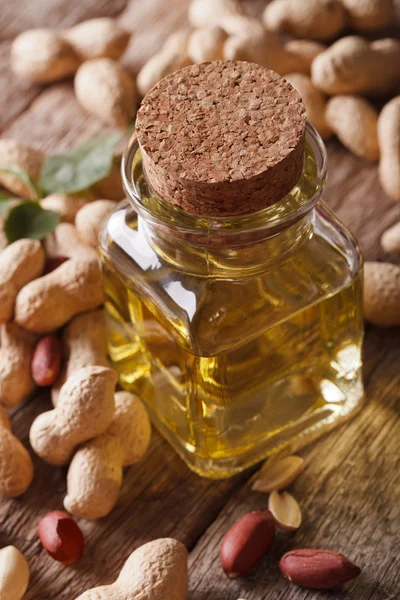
{"points": [[350, 490]]}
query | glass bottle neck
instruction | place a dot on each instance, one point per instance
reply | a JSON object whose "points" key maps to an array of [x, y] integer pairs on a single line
{"points": [[209, 245], [223, 259]]}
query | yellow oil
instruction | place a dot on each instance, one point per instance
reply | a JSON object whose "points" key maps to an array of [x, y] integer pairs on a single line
{"points": [[234, 367]]}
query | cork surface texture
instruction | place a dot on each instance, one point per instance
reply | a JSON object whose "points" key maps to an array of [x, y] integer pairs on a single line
{"points": [[222, 138]]}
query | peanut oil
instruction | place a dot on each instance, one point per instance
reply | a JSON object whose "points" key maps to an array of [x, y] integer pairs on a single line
{"points": [[242, 342]]}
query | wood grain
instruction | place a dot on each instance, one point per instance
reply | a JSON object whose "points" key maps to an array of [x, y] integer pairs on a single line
{"points": [[350, 490]]}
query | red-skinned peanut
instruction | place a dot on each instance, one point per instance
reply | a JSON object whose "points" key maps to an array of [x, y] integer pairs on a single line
{"points": [[61, 537], [246, 543]]}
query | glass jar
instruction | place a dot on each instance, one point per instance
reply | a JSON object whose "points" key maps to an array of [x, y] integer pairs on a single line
{"points": [[242, 335]]}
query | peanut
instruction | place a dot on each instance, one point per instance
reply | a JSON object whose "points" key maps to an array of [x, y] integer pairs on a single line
{"points": [[382, 293], [16, 468], [314, 19], [13, 153], [278, 473], [90, 219], [95, 474], [84, 343], [20, 263], [285, 511], [324, 19], [61, 537], [246, 543], [390, 240], [46, 360], [352, 65], [14, 573], [43, 56], [85, 410], [317, 569], [369, 14], [98, 38], [306, 50], [355, 122], [266, 50], [172, 57], [155, 571], [106, 90], [66, 241], [389, 143], [52, 300], [227, 14], [16, 352], [207, 44], [314, 101], [64, 205]]}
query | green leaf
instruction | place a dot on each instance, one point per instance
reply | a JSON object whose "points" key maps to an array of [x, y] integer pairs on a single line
{"points": [[81, 167], [30, 220], [6, 203], [25, 178]]}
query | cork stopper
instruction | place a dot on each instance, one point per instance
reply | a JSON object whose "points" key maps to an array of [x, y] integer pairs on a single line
{"points": [[222, 138]]}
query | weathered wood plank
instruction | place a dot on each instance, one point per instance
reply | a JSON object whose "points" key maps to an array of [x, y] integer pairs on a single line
{"points": [[19, 15], [354, 192]]}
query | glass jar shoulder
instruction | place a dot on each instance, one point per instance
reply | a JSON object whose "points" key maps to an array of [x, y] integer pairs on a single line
{"points": [[212, 314], [332, 255]]}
